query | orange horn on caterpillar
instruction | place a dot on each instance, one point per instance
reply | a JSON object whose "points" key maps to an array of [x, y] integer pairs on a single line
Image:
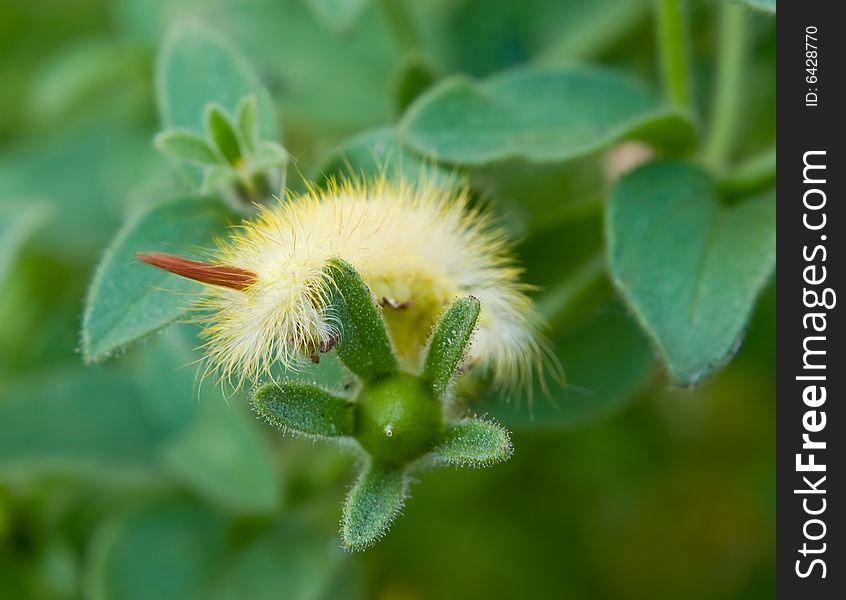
{"points": [[208, 273]]}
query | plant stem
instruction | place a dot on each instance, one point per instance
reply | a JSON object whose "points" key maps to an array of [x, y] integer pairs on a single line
{"points": [[672, 46], [756, 174], [728, 85], [403, 24]]}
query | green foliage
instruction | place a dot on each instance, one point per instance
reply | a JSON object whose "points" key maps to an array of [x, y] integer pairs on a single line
{"points": [[473, 443], [529, 105], [304, 408], [539, 114], [372, 505], [689, 266], [449, 344], [364, 346], [128, 300], [196, 67], [15, 230], [186, 145]]}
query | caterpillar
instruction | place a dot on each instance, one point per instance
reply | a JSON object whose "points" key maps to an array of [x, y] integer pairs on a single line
{"points": [[418, 247]]}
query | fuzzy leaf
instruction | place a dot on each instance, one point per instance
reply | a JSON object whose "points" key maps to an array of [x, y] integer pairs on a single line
{"points": [[689, 265], [268, 155], [473, 443], [183, 144], [304, 408], [449, 343], [539, 114], [128, 300], [373, 503], [221, 132], [246, 117], [364, 347]]}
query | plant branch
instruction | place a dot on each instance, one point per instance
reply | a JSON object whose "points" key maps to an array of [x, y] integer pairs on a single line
{"points": [[728, 86], [674, 54]]}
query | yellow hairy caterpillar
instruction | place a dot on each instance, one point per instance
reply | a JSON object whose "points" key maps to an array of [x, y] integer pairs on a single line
{"points": [[417, 246]]}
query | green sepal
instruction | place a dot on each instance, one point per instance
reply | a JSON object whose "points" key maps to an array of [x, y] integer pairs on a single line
{"points": [[303, 408], [449, 344], [220, 130], [183, 144], [372, 504], [364, 345], [473, 443]]}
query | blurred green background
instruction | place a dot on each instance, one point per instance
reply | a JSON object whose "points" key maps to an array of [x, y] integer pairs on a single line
{"points": [[129, 480]]}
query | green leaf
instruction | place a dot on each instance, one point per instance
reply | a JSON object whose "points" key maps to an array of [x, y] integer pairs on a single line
{"points": [[290, 561], [17, 225], [364, 347], [197, 66], [183, 144], [128, 300], [378, 153], [539, 114], [764, 5], [268, 155], [372, 504], [416, 74], [89, 423], [473, 443], [606, 360], [223, 456], [689, 266], [449, 344], [337, 14], [304, 408], [172, 548], [220, 130], [246, 119]]}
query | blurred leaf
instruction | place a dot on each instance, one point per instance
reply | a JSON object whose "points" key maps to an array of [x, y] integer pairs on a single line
{"points": [[689, 266], [379, 151], [590, 27], [183, 144], [171, 549], [372, 504], [473, 443], [449, 344], [16, 227], [197, 66], [606, 362], [337, 14], [129, 300], [302, 408], [178, 548], [290, 562], [416, 74], [246, 119], [221, 132], [86, 422], [765, 5], [223, 456], [88, 172], [487, 36], [537, 114], [364, 347]]}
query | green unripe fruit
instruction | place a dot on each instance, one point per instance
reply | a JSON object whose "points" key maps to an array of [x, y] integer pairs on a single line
{"points": [[397, 419]]}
